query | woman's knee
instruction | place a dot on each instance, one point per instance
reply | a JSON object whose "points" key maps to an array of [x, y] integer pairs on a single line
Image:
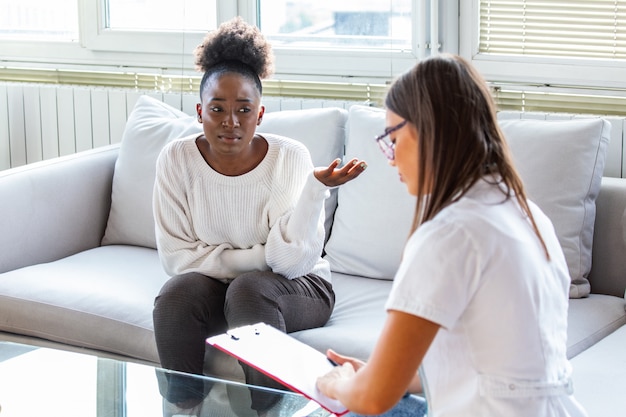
{"points": [[254, 285], [177, 287], [188, 290], [253, 297]]}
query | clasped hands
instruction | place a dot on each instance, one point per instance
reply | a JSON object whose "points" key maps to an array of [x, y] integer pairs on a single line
{"points": [[334, 177]]}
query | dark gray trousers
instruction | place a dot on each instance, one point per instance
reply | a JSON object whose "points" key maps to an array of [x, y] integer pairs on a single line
{"points": [[190, 307]]}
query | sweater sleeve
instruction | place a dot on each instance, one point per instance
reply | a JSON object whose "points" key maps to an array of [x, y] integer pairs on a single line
{"points": [[296, 240], [179, 248]]}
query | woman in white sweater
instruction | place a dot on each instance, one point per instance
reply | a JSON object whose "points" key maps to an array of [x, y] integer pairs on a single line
{"points": [[239, 218]]}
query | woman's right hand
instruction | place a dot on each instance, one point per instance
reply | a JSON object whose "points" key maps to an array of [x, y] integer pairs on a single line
{"points": [[332, 176]]}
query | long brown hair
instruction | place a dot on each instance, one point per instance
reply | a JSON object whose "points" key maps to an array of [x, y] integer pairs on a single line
{"points": [[459, 140]]}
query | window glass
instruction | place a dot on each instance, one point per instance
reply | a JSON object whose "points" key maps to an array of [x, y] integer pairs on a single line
{"points": [[39, 20], [161, 15], [328, 40], [367, 24]]}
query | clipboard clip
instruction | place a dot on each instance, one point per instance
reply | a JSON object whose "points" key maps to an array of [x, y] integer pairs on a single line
{"points": [[234, 336]]}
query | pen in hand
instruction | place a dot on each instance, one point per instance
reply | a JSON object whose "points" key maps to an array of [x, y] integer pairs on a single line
{"points": [[332, 362]]}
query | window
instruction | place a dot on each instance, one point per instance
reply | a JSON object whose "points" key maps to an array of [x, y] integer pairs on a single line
{"points": [[579, 43], [324, 40], [39, 20], [356, 24], [353, 40], [583, 29], [159, 15]]}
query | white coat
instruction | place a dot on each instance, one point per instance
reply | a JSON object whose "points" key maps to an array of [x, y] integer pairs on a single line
{"points": [[479, 271]]}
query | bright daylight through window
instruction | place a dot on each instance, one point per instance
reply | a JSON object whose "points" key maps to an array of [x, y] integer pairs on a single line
{"points": [[314, 40], [367, 24], [162, 15], [40, 20]]}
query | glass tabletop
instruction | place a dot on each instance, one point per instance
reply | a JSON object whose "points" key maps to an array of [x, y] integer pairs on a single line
{"points": [[47, 382]]}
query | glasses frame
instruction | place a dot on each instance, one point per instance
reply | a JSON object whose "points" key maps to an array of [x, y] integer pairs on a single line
{"points": [[389, 148]]}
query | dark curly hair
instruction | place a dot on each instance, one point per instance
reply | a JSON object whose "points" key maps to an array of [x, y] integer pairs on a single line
{"points": [[235, 46]]}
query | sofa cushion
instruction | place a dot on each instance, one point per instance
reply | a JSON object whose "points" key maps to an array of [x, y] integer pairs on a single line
{"points": [[153, 123], [600, 376], [100, 299], [359, 316], [591, 319], [561, 163], [149, 127], [322, 130], [374, 212], [357, 319]]}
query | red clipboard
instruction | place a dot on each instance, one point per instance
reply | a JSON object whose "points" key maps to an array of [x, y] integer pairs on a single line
{"points": [[281, 357]]}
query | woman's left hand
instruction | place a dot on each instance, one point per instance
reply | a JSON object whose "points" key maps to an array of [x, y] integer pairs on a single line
{"points": [[333, 176]]}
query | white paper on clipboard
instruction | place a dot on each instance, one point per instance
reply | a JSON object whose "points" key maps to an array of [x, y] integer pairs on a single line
{"points": [[282, 357]]}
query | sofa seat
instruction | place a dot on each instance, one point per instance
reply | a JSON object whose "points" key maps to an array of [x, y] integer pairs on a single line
{"points": [[69, 300], [591, 319], [600, 376], [357, 319]]}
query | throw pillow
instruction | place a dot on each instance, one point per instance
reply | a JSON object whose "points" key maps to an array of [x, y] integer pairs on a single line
{"points": [[374, 212], [561, 164], [149, 127], [322, 130]]}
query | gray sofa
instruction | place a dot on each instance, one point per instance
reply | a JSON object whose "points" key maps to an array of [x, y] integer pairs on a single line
{"points": [[79, 269]]}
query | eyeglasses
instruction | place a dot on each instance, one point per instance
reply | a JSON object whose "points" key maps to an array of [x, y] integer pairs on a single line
{"points": [[389, 148]]}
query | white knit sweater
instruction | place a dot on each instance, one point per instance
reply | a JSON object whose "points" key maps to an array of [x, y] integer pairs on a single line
{"points": [[271, 218]]}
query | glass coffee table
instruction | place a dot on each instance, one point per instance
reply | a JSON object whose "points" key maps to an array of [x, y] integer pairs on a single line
{"points": [[37, 381]]}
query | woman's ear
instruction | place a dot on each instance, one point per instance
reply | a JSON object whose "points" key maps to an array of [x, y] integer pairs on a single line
{"points": [[260, 117], [199, 111]]}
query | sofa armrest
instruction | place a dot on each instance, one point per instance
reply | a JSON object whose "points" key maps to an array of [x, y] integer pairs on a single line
{"points": [[54, 208], [608, 271]]}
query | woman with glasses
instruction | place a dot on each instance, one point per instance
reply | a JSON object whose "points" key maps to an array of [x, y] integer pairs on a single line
{"points": [[239, 219], [479, 302]]}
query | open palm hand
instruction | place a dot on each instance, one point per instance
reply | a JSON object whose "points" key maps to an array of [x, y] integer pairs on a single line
{"points": [[332, 176]]}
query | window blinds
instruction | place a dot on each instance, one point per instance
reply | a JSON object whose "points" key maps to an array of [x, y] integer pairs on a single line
{"points": [[584, 32], [572, 29], [365, 92], [531, 99]]}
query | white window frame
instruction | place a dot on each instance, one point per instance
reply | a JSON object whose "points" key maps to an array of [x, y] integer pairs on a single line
{"points": [[119, 50], [604, 74]]}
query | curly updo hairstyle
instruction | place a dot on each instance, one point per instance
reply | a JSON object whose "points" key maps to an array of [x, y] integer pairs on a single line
{"points": [[238, 47]]}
